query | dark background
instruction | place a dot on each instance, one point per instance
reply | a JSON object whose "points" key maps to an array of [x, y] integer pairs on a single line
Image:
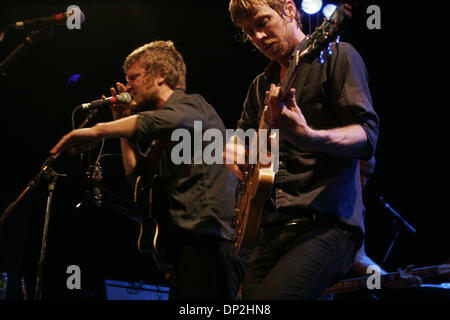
{"points": [[405, 61]]}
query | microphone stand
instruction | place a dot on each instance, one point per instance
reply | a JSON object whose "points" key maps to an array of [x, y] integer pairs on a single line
{"points": [[50, 174], [43, 172], [30, 39], [397, 223]]}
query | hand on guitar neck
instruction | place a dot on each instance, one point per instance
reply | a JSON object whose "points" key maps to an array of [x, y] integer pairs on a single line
{"points": [[284, 114], [405, 279]]}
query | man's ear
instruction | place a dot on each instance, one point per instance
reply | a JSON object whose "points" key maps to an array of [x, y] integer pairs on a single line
{"points": [[290, 9], [160, 79]]}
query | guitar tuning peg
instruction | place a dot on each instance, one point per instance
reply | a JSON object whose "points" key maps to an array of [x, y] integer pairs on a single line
{"points": [[321, 59], [330, 52]]}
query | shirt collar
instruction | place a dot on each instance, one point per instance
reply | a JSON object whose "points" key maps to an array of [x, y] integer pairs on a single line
{"points": [[176, 94], [273, 68]]}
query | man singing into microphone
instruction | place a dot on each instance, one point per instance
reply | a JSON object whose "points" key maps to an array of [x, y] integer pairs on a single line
{"points": [[200, 196]]}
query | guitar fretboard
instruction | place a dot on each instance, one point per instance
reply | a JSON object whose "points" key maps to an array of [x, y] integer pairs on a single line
{"points": [[361, 283]]}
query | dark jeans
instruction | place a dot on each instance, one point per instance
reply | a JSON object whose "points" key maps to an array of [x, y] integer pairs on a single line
{"points": [[298, 261], [204, 268]]}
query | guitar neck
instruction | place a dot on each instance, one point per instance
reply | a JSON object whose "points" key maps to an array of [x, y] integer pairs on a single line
{"points": [[356, 284], [326, 33]]}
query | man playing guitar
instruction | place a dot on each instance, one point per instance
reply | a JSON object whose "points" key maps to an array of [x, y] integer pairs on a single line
{"points": [[312, 223]]}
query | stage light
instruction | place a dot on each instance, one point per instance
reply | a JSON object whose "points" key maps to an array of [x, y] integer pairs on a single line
{"points": [[328, 10], [311, 6]]}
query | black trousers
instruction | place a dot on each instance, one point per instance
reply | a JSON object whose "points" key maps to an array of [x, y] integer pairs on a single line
{"points": [[204, 267], [298, 261]]}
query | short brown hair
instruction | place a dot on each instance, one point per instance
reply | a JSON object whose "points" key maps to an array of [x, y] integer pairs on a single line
{"points": [[160, 58], [241, 10]]}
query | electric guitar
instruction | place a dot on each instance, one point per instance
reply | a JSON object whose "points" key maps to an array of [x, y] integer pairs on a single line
{"points": [[356, 284], [258, 179]]}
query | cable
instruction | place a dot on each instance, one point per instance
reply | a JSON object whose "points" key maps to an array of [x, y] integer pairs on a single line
{"points": [[73, 116], [100, 152]]}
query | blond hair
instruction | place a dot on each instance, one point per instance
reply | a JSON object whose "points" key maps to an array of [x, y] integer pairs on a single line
{"points": [[242, 10], [160, 58]]}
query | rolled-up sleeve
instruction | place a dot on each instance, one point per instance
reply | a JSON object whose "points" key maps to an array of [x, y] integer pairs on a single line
{"points": [[160, 123], [351, 98]]}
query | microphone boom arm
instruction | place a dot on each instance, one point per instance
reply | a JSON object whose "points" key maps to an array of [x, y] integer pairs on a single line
{"points": [[30, 39]]}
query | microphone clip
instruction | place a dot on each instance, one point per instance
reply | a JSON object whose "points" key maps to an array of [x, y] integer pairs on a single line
{"points": [[94, 174]]}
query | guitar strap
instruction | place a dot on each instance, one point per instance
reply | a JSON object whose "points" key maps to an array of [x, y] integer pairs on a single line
{"points": [[300, 79]]}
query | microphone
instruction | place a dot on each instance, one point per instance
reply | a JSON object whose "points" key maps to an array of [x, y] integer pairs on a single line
{"points": [[123, 98], [59, 18]]}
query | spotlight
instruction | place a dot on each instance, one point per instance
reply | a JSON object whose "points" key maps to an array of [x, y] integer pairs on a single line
{"points": [[311, 6], [328, 10]]}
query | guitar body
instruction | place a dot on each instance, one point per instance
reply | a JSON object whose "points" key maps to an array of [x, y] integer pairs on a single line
{"points": [[249, 210], [151, 200], [154, 220], [252, 193]]}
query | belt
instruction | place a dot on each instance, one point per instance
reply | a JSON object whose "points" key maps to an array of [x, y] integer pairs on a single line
{"points": [[304, 217], [299, 220]]}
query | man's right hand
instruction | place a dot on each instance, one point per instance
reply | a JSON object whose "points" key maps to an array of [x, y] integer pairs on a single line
{"points": [[77, 141], [234, 156], [120, 110]]}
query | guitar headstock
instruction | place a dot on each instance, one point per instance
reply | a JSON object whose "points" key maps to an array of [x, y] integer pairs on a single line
{"points": [[319, 40], [326, 33]]}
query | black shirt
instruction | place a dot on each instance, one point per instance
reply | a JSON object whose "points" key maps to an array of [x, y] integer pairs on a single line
{"points": [[201, 196], [335, 94]]}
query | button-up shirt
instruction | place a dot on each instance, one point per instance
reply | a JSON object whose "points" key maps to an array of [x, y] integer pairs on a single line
{"points": [[335, 93], [201, 196]]}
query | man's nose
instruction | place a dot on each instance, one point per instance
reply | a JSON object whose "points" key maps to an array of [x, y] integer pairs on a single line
{"points": [[260, 35]]}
